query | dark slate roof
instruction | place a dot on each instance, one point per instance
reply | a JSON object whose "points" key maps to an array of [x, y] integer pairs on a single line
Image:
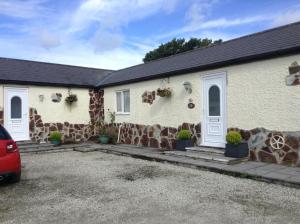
{"points": [[270, 43], [41, 73]]}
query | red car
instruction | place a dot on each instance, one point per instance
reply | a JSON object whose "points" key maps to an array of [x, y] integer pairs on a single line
{"points": [[10, 161]]}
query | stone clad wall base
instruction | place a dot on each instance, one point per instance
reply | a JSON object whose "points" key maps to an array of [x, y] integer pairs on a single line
{"points": [[258, 139], [40, 132], [1, 116], [285, 152], [155, 136]]}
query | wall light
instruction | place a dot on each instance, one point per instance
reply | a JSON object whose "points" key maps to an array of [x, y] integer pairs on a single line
{"points": [[41, 97], [188, 87]]}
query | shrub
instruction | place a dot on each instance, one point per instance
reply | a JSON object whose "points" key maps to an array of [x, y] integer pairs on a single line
{"points": [[55, 136], [71, 98], [234, 138], [112, 133], [102, 130], [164, 92], [184, 135]]}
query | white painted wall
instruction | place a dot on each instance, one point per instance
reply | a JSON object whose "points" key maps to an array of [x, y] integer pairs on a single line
{"points": [[57, 112], [257, 96]]}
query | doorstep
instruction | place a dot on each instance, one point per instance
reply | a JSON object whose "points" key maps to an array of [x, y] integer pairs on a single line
{"points": [[206, 155], [271, 173]]}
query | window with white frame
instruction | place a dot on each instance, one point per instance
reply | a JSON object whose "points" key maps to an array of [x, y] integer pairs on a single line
{"points": [[123, 102]]}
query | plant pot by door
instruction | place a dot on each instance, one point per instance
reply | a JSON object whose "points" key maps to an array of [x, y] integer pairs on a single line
{"points": [[237, 151], [56, 142], [182, 144], [103, 139]]}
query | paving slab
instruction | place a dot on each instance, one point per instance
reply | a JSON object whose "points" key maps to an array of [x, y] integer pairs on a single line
{"points": [[204, 155], [254, 170], [248, 165]]}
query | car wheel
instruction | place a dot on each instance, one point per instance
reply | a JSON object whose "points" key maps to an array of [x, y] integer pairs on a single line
{"points": [[15, 178]]}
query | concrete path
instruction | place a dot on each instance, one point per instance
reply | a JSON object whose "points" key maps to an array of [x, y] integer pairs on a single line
{"points": [[272, 173]]}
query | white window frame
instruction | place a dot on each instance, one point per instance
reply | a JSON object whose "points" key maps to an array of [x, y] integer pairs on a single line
{"points": [[122, 102]]}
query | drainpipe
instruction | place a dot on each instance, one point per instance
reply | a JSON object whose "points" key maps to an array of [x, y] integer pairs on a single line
{"points": [[119, 133]]}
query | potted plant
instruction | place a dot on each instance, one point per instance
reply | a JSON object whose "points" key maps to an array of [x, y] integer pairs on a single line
{"points": [[103, 137], [166, 92], [55, 138], [184, 139], [235, 147], [71, 98], [112, 133]]}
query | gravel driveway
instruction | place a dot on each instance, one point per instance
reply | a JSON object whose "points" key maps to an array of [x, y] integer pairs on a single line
{"points": [[74, 187]]}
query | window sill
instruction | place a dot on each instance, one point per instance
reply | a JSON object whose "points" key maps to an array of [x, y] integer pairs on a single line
{"points": [[122, 113]]}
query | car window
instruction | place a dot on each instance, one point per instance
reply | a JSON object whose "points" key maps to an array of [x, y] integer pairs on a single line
{"points": [[4, 135]]}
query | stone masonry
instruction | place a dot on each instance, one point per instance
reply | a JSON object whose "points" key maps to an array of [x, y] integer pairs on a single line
{"points": [[294, 75], [148, 97], [1, 116], [155, 136], [272, 146]]}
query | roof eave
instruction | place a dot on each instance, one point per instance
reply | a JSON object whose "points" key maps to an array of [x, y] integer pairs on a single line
{"points": [[251, 58], [19, 82]]}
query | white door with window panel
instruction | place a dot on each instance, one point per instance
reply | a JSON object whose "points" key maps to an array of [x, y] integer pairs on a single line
{"points": [[16, 117], [214, 110]]}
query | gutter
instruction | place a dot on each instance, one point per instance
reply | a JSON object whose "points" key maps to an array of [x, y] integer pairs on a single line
{"points": [[18, 82]]}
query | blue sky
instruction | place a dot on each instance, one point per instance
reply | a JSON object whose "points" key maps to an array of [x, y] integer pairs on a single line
{"points": [[115, 34]]}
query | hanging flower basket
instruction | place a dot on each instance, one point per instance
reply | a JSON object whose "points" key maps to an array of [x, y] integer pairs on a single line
{"points": [[71, 99], [166, 92]]}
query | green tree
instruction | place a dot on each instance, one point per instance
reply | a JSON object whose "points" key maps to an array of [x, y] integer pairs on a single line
{"points": [[177, 46]]}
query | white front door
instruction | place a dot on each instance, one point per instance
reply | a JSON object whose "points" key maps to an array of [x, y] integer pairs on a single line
{"points": [[214, 110], [16, 117]]}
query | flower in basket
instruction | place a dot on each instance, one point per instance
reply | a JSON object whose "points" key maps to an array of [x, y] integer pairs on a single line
{"points": [[165, 92], [71, 98]]}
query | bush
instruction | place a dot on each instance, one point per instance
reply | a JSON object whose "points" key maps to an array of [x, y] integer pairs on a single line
{"points": [[55, 136], [164, 92], [112, 133], [102, 130], [234, 138], [71, 99], [184, 135]]}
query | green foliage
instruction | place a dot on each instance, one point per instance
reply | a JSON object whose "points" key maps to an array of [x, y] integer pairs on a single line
{"points": [[177, 46], [111, 132], [164, 92], [102, 130], [112, 116], [55, 136], [234, 138], [184, 135], [71, 98]]}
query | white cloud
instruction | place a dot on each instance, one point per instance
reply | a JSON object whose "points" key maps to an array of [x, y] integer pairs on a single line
{"points": [[74, 53], [48, 39], [105, 41], [220, 23], [112, 14], [224, 23], [198, 10], [287, 17], [22, 9]]}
